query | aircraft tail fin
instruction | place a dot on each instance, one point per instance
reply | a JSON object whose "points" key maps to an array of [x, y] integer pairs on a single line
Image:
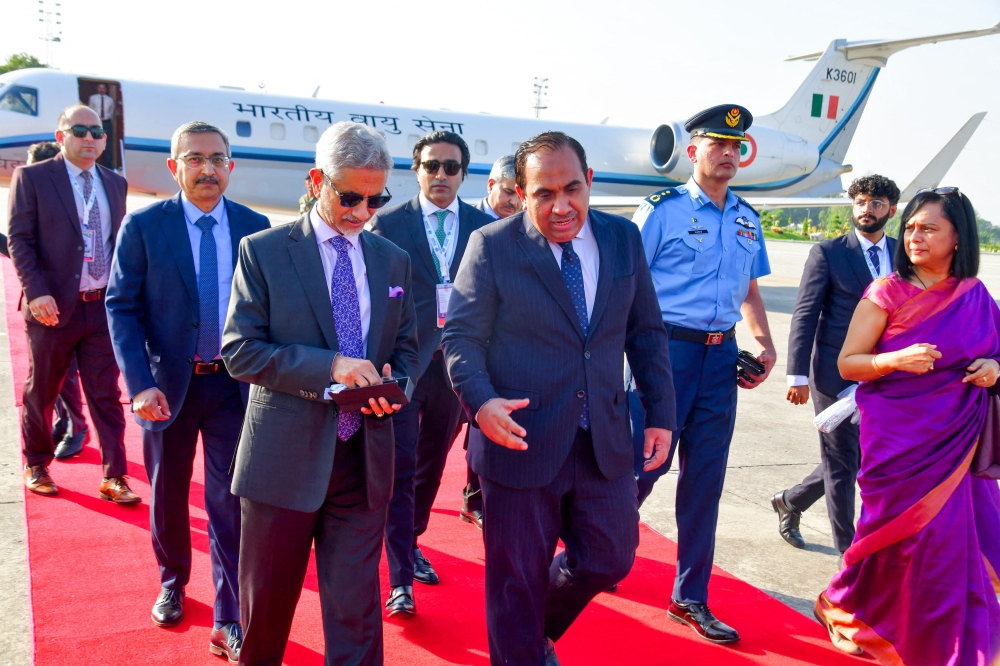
{"points": [[826, 108], [938, 167]]}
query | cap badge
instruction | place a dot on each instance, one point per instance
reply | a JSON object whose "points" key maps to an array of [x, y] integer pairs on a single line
{"points": [[733, 117]]}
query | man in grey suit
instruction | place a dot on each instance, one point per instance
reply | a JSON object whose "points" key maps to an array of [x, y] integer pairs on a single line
{"points": [[318, 302], [835, 277], [546, 307], [501, 198], [434, 228]]}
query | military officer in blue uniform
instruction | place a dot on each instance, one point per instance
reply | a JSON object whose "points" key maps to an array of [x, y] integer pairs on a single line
{"points": [[705, 249]]}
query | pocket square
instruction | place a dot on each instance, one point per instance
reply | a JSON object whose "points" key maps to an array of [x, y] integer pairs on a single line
{"points": [[395, 292]]}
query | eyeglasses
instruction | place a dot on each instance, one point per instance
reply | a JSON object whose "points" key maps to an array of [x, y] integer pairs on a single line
{"points": [[875, 205], [352, 199], [451, 167], [80, 131], [198, 161], [943, 191]]}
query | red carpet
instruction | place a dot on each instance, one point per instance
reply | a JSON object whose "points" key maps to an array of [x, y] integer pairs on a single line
{"points": [[94, 580]]}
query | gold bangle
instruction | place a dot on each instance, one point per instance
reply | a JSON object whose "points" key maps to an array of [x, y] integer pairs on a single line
{"points": [[875, 366]]}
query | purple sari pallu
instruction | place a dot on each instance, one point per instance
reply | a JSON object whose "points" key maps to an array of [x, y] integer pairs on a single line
{"points": [[919, 582]]}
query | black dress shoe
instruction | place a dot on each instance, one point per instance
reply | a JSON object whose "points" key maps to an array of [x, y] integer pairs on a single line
{"points": [[550, 653], [169, 608], [71, 445], [788, 520], [700, 618], [473, 516], [401, 602], [423, 572], [227, 641], [59, 430]]}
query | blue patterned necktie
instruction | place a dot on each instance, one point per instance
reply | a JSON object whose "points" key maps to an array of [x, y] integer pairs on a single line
{"points": [[441, 215], [572, 274], [873, 254], [93, 223], [347, 319], [208, 291]]}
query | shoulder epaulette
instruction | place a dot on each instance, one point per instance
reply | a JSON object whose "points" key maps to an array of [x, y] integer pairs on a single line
{"points": [[663, 195], [747, 204]]}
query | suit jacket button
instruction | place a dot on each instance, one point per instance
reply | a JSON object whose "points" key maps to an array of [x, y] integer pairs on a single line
{"points": [[580, 394], [586, 355], [79, 248], [76, 277], [194, 324], [302, 393], [190, 361]]}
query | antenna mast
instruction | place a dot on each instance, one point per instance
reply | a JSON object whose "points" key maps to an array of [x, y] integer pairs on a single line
{"points": [[541, 90], [51, 20]]}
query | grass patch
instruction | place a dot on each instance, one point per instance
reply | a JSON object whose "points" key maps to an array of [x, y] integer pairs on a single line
{"points": [[788, 235]]}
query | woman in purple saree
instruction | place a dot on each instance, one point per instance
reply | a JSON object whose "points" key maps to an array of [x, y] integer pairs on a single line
{"points": [[919, 584]]}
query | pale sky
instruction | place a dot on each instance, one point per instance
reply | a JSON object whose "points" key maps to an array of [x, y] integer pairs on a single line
{"points": [[638, 61]]}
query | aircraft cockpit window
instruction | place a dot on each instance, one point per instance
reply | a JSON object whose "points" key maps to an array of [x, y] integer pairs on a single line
{"points": [[242, 128], [19, 99]]}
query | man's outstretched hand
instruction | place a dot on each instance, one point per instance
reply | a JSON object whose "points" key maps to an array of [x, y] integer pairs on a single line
{"points": [[495, 422]]}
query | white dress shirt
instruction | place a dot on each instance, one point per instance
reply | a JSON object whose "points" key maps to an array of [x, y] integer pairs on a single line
{"points": [[885, 261], [88, 283], [324, 232], [102, 105], [488, 209], [429, 209], [585, 246], [223, 251], [885, 267]]}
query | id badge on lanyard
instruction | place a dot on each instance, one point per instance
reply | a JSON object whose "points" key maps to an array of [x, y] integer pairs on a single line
{"points": [[442, 290], [89, 235]]}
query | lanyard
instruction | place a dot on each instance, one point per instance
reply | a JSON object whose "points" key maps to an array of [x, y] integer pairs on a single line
{"points": [[439, 251], [88, 204], [871, 266]]}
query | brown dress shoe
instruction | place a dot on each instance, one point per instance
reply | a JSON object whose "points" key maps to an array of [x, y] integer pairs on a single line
{"points": [[38, 481], [116, 490]]}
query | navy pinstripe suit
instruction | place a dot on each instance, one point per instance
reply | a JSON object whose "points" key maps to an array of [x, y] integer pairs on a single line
{"points": [[513, 332]]}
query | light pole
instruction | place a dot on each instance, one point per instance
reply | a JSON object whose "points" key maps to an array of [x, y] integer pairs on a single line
{"points": [[541, 90]]}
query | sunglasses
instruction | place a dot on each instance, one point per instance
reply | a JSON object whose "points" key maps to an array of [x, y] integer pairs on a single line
{"points": [[80, 131], [943, 191], [352, 199], [451, 167]]}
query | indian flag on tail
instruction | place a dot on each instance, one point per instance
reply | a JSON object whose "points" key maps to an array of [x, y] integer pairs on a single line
{"points": [[832, 102]]}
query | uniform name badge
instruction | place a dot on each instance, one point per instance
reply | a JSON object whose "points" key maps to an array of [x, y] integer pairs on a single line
{"points": [[88, 245], [443, 297]]}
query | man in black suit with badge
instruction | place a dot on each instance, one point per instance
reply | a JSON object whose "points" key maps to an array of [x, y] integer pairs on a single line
{"points": [[835, 277], [434, 229], [546, 307]]}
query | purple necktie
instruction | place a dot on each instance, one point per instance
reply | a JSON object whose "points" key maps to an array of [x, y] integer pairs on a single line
{"points": [[347, 319], [93, 223]]}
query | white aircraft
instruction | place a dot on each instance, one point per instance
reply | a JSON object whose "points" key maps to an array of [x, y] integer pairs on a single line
{"points": [[793, 156]]}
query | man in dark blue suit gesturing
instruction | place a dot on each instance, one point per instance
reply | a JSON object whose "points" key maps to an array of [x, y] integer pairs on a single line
{"points": [[167, 301], [546, 306]]}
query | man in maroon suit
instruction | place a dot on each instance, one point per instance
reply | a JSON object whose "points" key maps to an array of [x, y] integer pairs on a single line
{"points": [[64, 217]]}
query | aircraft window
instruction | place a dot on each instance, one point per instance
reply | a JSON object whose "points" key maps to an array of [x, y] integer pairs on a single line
{"points": [[20, 99], [242, 128], [277, 131], [481, 147], [412, 140], [310, 134]]}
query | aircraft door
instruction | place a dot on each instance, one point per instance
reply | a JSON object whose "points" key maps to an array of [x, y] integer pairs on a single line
{"points": [[105, 98]]}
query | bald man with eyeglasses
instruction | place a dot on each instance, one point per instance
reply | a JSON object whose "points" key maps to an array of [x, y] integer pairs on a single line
{"points": [[434, 227]]}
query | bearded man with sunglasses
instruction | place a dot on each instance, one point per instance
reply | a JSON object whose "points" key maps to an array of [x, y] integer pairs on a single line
{"points": [[835, 277], [64, 217], [167, 301], [434, 229], [317, 302]]}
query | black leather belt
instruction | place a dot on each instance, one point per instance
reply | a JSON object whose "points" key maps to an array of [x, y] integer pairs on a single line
{"points": [[704, 337], [92, 295], [201, 368]]}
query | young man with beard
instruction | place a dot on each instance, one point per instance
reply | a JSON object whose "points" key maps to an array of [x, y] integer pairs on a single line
{"points": [[835, 277]]}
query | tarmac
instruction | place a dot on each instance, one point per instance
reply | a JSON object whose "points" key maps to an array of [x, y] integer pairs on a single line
{"points": [[774, 446]]}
